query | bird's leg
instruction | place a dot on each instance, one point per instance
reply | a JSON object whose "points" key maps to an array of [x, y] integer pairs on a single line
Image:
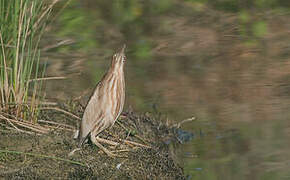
{"points": [[95, 141]]}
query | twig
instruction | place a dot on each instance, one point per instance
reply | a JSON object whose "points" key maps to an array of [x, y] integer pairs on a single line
{"points": [[24, 124], [27, 132], [43, 156], [135, 135], [32, 127], [135, 144], [73, 151], [55, 123], [58, 128], [63, 42], [47, 78], [48, 103], [184, 121], [60, 110], [3, 117], [121, 150], [16, 130]]}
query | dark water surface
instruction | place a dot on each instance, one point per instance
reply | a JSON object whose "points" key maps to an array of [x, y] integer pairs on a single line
{"points": [[228, 65]]}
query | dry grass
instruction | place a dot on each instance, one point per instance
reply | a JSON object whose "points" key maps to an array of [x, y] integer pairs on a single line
{"points": [[31, 156]]}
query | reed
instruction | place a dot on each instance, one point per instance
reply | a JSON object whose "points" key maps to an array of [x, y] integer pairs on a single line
{"points": [[22, 23]]}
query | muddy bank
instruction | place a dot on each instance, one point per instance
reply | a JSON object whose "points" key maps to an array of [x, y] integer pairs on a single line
{"points": [[135, 162]]}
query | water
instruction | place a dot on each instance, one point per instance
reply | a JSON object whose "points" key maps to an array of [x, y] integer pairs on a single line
{"points": [[224, 64]]}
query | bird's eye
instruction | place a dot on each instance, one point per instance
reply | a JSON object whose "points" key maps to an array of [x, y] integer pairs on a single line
{"points": [[115, 55]]}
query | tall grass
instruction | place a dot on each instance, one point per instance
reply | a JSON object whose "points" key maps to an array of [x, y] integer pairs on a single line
{"points": [[22, 23]]}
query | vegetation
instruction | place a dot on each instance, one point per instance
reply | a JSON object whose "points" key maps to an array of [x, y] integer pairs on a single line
{"points": [[22, 24], [35, 157], [225, 61]]}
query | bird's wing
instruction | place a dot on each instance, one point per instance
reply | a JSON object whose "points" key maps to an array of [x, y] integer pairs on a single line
{"points": [[92, 114]]}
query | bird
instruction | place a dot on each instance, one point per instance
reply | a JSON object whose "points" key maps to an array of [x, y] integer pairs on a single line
{"points": [[106, 103]]}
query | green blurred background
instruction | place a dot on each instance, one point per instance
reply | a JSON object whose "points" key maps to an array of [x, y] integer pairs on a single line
{"points": [[226, 62]]}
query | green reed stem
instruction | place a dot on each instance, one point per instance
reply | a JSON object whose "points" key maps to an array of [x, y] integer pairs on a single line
{"points": [[22, 23]]}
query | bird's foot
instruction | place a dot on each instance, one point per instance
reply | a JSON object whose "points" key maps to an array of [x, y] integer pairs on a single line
{"points": [[105, 150]]}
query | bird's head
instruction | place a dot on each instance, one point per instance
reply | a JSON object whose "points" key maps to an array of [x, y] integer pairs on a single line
{"points": [[119, 59]]}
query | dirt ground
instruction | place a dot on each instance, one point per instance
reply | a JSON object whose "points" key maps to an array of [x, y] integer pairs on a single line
{"points": [[24, 156]]}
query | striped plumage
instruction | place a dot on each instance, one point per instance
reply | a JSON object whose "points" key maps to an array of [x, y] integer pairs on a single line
{"points": [[107, 101]]}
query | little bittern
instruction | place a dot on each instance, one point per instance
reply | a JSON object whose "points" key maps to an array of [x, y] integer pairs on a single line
{"points": [[106, 102]]}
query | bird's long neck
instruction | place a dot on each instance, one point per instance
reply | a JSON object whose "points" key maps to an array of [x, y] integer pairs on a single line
{"points": [[117, 69]]}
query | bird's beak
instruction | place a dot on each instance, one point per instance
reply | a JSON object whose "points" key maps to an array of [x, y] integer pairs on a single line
{"points": [[123, 49]]}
